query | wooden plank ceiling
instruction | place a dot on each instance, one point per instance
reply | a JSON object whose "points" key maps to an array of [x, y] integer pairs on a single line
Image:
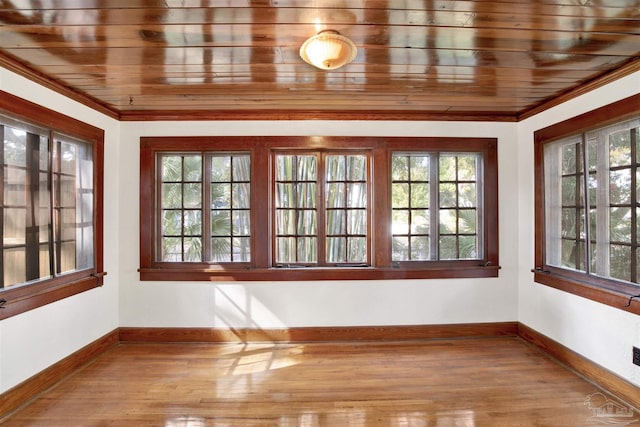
{"points": [[201, 58]]}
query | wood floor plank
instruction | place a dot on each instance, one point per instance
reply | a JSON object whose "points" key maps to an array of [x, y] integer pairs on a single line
{"points": [[497, 382]]}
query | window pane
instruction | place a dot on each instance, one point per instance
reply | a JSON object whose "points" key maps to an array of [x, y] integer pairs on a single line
{"points": [[400, 222], [336, 222], [336, 197], [221, 196], [307, 168], [171, 168], [447, 168], [356, 168], [357, 195], [241, 168], [221, 249], [420, 221], [336, 249], [467, 168], [171, 249], [15, 187], [400, 248], [307, 249], [171, 223], [620, 186], [284, 167], [468, 245], [307, 223], [220, 223], [220, 169], [192, 249], [448, 247], [467, 195], [448, 221], [467, 222], [356, 222], [620, 149], [241, 195], [285, 222], [192, 224], [306, 195], [420, 168], [242, 249], [420, 248], [285, 197], [620, 262], [15, 146], [193, 168], [620, 225], [400, 195], [286, 249], [419, 195], [336, 168], [241, 223], [400, 168], [171, 196], [448, 195], [357, 249], [192, 195]]}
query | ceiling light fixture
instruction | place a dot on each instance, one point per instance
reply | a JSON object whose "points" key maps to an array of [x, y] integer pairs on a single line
{"points": [[328, 50]]}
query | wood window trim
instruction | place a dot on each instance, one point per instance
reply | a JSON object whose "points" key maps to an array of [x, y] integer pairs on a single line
{"points": [[22, 298], [260, 268], [609, 292]]}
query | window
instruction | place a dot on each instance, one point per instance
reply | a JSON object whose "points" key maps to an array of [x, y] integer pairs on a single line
{"points": [[321, 218], [189, 182], [315, 208], [587, 233], [50, 206], [449, 182]]}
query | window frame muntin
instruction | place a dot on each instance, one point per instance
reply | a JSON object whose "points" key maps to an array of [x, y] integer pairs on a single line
{"points": [[611, 292], [28, 296], [380, 167]]}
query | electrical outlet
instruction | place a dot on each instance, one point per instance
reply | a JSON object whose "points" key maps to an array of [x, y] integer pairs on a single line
{"points": [[636, 356]]}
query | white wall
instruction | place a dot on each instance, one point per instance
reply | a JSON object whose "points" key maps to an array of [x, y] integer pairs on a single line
{"points": [[34, 340], [600, 333], [324, 303]]}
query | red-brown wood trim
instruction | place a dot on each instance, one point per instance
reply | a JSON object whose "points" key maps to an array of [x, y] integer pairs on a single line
{"points": [[630, 67], [610, 292], [611, 297], [19, 68], [611, 113], [28, 297], [323, 273], [29, 389], [278, 115], [319, 334], [23, 298], [258, 270], [593, 372]]}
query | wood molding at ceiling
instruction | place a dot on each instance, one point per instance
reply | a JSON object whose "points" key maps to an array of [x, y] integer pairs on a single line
{"points": [[276, 115], [593, 372], [623, 71], [23, 70], [24, 392]]}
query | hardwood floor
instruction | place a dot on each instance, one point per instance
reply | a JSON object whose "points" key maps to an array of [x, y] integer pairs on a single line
{"points": [[496, 382]]}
